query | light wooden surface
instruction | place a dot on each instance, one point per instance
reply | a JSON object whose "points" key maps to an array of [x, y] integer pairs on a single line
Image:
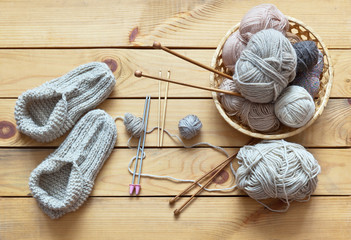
{"points": [[41, 40]]}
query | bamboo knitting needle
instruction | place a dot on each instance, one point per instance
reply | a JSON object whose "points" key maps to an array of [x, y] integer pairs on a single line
{"points": [[217, 170], [158, 45], [173, 200], [165, 108], [159, 110], [140, 74], [179, 210]]}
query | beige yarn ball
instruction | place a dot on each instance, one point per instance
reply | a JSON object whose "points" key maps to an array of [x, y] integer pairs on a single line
{"points": [[258, 116], [232, 104], [277, 169], [295, 107], [265, 67]]}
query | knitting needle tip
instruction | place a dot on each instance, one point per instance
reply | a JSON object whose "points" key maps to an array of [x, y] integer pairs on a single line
{"points": [[131, 189], [171, 201], [156, 45], [137, 189], [138, 73]]}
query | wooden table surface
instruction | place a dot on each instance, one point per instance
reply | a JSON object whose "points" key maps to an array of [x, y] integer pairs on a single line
{"points": [[41, 40]]}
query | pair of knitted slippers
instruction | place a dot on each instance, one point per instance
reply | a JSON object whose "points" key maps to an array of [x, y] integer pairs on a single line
{"points": [[64, 180]]}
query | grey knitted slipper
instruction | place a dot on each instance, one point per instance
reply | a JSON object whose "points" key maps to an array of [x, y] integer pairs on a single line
{"points": [[48, 111], [64, 180]]}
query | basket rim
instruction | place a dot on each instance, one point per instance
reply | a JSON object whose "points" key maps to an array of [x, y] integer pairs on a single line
{"points": [[317, 113]]}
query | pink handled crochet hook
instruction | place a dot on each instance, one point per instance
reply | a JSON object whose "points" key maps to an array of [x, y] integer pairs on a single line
{"points": [[132, 185]]}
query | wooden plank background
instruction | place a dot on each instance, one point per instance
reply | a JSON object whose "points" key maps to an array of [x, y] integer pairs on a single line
{"points": [[41, 40]]}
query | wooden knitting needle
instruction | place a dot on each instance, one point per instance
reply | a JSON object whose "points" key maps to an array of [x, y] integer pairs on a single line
{"points": [[165, 108], [179, 210], [173, 200], [140, 74], [159, 110], [158, 45]]}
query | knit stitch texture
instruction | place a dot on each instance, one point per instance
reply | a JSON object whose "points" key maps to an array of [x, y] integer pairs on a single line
{"points": [[64, 180], [48, 111]]}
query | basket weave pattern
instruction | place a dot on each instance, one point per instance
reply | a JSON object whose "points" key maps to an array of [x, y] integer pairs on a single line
{"points": [[298, 30]]}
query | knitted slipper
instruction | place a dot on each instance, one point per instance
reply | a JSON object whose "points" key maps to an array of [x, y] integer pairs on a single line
{"points": [[64, 180], [48, 111]]}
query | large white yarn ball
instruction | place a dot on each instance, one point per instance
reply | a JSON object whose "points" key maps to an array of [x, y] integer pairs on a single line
{"points": [[265, 67], [295, 107], [277, 169]]}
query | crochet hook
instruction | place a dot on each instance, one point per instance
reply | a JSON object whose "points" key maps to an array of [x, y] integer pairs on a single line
{"points": [[132, 185], [137, 186], [139, 74], [158, 45]]}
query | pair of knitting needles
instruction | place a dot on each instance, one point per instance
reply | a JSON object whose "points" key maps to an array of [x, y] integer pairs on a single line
{"points": [[140, 150], [160, 134], [158, 45], [212, 174]]}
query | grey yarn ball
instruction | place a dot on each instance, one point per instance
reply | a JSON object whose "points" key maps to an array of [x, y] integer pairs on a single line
{"points": [[307, 55], [133, 124], [265, 67], [189, 126]]}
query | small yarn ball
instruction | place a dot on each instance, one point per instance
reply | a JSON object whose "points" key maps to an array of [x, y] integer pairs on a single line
{"points": [[258, 116], [133, 124], [295, 107], [307, 55], [260, 17], [265, 67], [277, 169], [189, 126], [230, 103], [310, 79]]}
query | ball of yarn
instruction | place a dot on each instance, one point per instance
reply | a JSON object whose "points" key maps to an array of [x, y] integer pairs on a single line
{"points": [[265, 67], [189, 126], [261, 17], [264, 16], [258, 116], [277, 169], [307, 55], [133, 124], [232, 49], [310, 80], [295, 107], [230, 103]]}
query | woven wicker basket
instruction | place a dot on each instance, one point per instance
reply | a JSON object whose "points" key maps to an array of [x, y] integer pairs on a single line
{"points": [[297, 29]]}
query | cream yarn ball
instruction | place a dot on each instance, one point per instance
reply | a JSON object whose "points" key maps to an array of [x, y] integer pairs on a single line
{"points": [[295, 107]]}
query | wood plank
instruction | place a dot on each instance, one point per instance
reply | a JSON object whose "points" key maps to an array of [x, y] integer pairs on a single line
{"points": [[24, 69], [93, 23], [150, 218], [113, 180], [332, 129]]}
